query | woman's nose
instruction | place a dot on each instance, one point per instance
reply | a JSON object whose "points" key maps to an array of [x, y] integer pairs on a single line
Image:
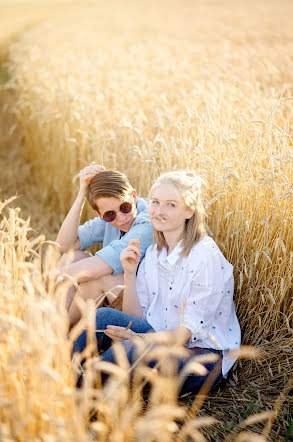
{"points": [[157, 209]]}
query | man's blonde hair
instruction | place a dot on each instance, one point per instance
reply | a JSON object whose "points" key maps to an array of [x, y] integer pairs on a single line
{"points": [[188, 185], [109, 183]]}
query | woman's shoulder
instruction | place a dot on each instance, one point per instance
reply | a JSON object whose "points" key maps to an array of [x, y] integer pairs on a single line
{"points": [[206, 250], [205, 244]]}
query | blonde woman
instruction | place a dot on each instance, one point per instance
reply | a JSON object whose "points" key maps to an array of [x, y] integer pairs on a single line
{"points": [[183, 290]]}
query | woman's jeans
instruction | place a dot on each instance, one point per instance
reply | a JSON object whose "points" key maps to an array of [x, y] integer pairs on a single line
{"points": [[108, 316]]}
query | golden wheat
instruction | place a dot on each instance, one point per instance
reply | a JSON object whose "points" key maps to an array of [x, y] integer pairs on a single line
{"points": [[208, 88], [38, 395]]}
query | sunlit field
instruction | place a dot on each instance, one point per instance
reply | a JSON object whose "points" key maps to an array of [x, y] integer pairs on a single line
{"points": [[148, 87], [18, 15]]}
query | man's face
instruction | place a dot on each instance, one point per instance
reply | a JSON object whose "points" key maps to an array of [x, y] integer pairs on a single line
{"points": [[122, 221]]}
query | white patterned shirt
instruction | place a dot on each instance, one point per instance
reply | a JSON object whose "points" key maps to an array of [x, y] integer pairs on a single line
{"points": [[195, 291]]}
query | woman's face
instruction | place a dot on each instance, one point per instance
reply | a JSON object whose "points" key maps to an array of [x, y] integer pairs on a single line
{"points": [[167, 209]]}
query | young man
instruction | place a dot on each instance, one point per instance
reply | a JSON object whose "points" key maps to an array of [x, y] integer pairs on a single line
{"points": [[120, 216]]}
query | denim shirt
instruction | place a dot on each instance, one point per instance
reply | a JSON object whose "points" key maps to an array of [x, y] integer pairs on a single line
{"points": [[97, 231]]}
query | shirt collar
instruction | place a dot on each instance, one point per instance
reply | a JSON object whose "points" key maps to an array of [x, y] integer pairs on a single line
{"points": [[173, 257], [141, 204]]}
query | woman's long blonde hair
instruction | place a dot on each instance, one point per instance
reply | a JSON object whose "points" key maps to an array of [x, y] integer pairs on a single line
{"points": [[188, 185]]}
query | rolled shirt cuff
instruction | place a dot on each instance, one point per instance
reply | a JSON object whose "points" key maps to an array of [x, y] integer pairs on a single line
{"points": [[112, 258]]}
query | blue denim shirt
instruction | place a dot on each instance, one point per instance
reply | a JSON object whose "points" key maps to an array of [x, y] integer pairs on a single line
{"points": [[97, 231]]}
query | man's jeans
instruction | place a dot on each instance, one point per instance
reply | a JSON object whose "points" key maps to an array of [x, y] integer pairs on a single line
{"points": [[108, 316]]}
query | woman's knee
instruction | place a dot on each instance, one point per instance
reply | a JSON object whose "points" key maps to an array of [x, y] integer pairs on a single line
{"points": [[105, 316], [110, 316], [103, 312]]}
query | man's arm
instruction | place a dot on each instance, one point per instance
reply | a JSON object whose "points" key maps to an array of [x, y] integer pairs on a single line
{"points": [[86, 269], [67, 237], [142, 230]]}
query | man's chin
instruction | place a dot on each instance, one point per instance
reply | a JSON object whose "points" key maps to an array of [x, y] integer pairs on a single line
{"points": [[126, 227]]}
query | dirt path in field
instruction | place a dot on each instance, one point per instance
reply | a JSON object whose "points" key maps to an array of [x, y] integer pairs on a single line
{"points": [[15, 176], [16, 16]]}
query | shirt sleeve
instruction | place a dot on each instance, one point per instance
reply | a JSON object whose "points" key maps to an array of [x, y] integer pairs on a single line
{"points": [[91, 232], [203, 300], [142, 228], [141, 289]]}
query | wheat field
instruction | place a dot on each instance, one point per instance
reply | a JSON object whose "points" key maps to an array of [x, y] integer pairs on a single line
{"points": [[148, 87]]}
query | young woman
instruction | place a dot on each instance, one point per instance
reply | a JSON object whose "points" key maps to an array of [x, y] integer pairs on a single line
{"points": [[183, 290]]}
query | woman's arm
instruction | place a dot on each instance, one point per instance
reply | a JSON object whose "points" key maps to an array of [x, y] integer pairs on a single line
{"points": [[130, 303], [179, 335], [130, 258]]}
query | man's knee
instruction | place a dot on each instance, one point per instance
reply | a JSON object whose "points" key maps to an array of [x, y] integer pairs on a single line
{"points": [[100, 283], [105, 289], [78, 255], [111, 285], [73, 256]]}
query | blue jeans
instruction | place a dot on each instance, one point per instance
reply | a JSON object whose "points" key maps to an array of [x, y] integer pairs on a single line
{"points": [[108, 316]]}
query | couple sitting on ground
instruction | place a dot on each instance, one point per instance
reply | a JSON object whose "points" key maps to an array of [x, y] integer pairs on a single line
{"points": [[177, 283]]}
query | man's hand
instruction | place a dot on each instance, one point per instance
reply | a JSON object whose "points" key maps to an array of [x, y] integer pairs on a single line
{"points": [[86, 174], [130, 256]]}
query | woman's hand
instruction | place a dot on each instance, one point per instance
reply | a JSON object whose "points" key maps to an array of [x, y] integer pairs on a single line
{"points": [[130, 256], [117, 333], [86, 174]]}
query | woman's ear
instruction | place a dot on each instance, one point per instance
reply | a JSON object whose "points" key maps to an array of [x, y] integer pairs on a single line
{"points": [[189, 213], [97, 213]]}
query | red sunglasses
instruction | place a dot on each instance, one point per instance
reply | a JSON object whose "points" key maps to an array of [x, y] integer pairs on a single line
{"points": [[110, 215]]}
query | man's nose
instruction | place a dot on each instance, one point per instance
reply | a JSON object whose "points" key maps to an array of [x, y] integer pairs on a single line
{"points": [[121, 217]]}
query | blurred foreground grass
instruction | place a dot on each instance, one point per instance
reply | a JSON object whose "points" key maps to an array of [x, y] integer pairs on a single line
{"points": [[205, 85]]}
